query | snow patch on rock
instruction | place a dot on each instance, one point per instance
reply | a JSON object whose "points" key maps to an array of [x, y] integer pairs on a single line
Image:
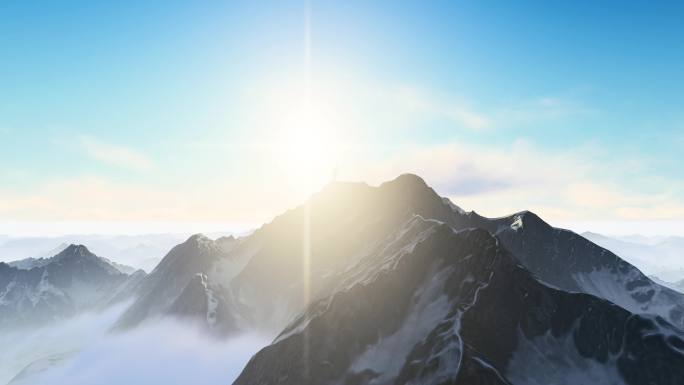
{"points": [[547, 360], [626, 291], [387, 356], [517, 223], [452, 206], [212, 305]]}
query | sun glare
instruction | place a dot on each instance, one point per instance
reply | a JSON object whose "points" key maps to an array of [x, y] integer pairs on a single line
{"points": [[308, 146]]}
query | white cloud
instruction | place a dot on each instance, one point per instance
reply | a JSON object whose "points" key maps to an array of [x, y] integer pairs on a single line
{"points": [[116, 155], [413, 104], [21, 348], [166, 352], [534, 111], [160, 352]]}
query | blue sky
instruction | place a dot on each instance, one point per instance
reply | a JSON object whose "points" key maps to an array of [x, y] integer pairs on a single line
{"points": [[192, 111]]}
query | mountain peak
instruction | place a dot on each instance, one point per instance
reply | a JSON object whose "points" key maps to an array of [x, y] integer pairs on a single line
{"points": [[196, 238], [77, 253], [411, 186], [531, 218], [199, 241], [74, 249], [408, 181]]}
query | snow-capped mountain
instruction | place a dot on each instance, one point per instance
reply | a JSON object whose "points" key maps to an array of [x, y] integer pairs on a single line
{"points": [[424, 297], [573, 263], [41, 290], [140, 251], [395, 284], [445, 307], [30, 262]]}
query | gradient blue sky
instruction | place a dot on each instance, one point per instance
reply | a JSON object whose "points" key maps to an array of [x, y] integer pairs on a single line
{"points": [[183, 111]]}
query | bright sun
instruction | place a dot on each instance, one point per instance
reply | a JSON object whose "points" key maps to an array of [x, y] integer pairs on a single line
{"points": [[308, 145]]}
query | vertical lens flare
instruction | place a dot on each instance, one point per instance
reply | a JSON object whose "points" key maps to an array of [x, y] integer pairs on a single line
{"points": [[306, 247], [306, 276]]}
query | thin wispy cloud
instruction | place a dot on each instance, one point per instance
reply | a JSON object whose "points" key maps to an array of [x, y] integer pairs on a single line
{"points": [[115, 155], [430, 106], [540, 110], [421, 103]]}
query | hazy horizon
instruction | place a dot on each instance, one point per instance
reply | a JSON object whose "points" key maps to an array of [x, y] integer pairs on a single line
{"points": [[655, 228]]}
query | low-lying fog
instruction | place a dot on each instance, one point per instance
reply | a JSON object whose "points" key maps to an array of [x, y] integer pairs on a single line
{"points": [[82, 351]]}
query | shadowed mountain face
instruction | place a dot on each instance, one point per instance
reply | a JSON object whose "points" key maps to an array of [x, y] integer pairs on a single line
{"points": [[457, 308], [57, 287], [571, 262]]}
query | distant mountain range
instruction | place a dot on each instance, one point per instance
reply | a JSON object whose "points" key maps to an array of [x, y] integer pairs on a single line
{"points": [[138, 251], [37, 291], [30, 263], [397, 285], [661, 257]]}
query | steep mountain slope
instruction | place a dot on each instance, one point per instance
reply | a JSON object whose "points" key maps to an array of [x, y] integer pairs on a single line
{"points": [[57, 287], [438, 307], [206, 302], [299, 255], [158, 293], [573, 263], [557, 256], [260, 276], [268, 277]]}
